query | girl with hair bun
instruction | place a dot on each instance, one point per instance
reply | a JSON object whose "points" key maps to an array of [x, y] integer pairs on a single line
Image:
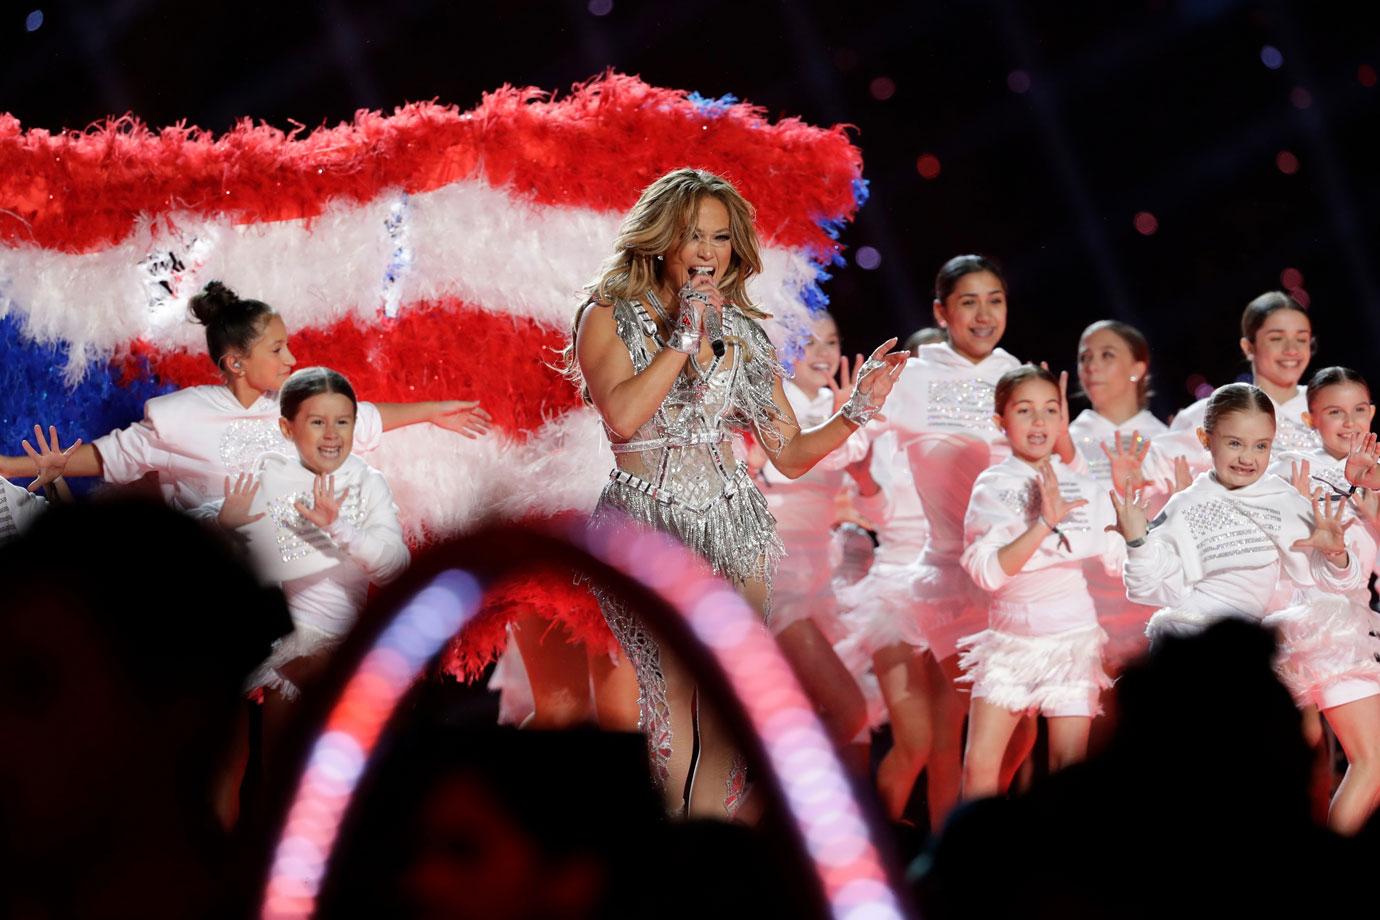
{"points": [[1330, 644], [1223, 546], [191, 439]]}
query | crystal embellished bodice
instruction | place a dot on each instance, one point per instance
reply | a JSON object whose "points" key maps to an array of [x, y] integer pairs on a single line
{"points": [[683, 452]]}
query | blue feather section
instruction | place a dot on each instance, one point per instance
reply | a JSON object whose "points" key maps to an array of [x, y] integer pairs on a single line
{"points": [[713, 108], [33, 391]]}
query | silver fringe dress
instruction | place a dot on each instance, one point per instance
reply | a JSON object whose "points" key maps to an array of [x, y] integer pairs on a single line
{"points": [[678, 474]]}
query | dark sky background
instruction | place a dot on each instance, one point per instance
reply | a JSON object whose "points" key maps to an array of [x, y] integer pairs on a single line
{"points": [[1248, 131]]}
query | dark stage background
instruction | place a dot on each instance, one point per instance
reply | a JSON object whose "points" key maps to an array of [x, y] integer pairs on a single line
{"points": [[1160, 162]]}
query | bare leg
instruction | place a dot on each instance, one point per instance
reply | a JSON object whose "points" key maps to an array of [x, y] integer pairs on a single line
{"points": [[557, 671], [1018, 752], [615, 691], [1068, 740], [278, 711], [719, 772], [901, 673], [231, 774], [1320, 779], [826, 681], [944, 771], [989, 734], [1357, 725]]}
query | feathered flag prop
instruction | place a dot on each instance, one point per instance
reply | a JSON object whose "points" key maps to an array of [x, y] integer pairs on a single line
{"points": [[427, 254]]}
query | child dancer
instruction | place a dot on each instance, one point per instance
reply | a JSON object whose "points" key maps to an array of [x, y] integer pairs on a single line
{"points": [[1277, 340], [804, 610], [883, 619], [1227, 544], [1029, 531], [193, 438], [942, 413], [1114, 373], [19, 507], [321, 523], [1330, 653]]}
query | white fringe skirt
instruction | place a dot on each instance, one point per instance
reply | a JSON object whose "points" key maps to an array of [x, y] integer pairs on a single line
{"points": [[1329, 651], [948, 606], [1054, 675], [881, 609], [302, 642]]}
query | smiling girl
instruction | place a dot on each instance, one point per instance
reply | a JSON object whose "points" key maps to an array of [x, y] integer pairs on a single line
{"points": [[1029, 529], [1239, 539], [1330, 653], [321, 523], [804, 610], [1277, 340], [942, 413]]}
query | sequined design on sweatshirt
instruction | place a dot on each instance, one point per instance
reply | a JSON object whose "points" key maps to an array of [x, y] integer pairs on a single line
{"points": [[296, 536], [244, 440]]}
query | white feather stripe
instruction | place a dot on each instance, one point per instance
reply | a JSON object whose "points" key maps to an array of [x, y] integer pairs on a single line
{"points": [[1323, 643], [1060, 674], [445, 484], [467, 240]]}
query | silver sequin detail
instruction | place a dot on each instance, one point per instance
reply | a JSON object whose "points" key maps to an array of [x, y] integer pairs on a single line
{"points": [[1293, 435], [681, 479], [245, 439], [8, 528], [960, 405], [298, 537]]}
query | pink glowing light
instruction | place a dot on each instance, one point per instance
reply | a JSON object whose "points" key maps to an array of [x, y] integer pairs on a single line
{"points": [[817, 792]]}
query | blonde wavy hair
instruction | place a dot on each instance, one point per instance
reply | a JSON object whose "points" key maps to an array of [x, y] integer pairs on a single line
{"points": [[662, 220]]}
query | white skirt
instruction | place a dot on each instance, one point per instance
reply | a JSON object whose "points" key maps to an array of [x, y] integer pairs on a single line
{"points": [[948, 606], [1175, 622], [1054, 675], [1329, 651], [803, 589], [880, 610], [302, 642]]}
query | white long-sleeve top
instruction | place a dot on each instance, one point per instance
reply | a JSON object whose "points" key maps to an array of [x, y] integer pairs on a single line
{"points": [[1090, 431], [325, 574], [941, 410], [18, 509], [895, 509], [1218, 552], [804, 508], [1005, 502], [193, 438]]}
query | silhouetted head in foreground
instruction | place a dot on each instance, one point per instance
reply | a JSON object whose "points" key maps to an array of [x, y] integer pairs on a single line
{"points": [[126, 634], [1204, 787]]}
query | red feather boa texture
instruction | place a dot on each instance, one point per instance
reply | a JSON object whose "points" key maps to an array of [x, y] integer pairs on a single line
{"points": [[505, 362], [550, 593], [595, 148]]}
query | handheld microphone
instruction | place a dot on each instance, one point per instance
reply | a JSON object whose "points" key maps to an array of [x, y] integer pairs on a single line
{"points": [[713, 323]]}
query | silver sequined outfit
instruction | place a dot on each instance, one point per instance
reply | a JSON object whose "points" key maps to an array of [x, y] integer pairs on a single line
{"points": [[678, 474]]}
